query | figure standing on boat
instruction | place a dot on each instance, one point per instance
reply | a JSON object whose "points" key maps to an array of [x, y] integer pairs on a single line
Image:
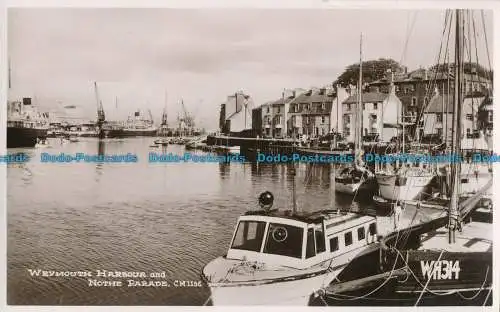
{"points": [[397, 214]]}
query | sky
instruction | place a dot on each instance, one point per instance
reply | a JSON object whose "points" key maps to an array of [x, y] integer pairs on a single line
{"points": [[151, 57]]}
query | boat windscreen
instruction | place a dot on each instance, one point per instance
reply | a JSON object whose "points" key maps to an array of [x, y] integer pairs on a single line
{"points": [[284, 240], [249, 235]]}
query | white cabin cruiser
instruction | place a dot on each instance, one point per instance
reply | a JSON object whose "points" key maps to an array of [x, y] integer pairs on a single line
{"points": [[281, 258]]}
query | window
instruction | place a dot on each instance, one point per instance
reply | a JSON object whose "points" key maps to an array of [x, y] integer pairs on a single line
{"points": [[348, 238], [284, 240], [249, 235], [372, 229], [334, 244], [322, 119], [440, 132], [348, 107], [279, 110], [320, 240], [439, 117], [347, 118], [322, 131], [469, 117], [364, 106], [267, 110], [310, 248], [361, 233], [374, 105], [323, 106], [490, 117], [414, 101]]}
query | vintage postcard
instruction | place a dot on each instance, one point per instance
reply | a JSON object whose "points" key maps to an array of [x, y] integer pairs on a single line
{"points": [[211, 156]]}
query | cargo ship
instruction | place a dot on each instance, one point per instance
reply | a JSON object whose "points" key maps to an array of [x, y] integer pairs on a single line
{"points": [[25, 125], [135, 126]]}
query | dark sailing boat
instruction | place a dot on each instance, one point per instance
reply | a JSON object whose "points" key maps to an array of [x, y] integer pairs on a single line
{"points": [[353, 179], [448, 259]]}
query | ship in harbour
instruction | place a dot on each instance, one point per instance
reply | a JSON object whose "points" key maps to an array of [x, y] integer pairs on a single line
{"points": [[135, 126], [25, 124]]}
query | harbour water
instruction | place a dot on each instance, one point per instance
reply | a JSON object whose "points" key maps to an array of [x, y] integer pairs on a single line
{"points": [[166, 217]]}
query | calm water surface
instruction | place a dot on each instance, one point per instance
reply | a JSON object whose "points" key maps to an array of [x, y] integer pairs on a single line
{"points": [[171, 218]]}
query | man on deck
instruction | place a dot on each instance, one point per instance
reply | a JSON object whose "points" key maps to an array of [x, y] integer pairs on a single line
{"points": [[397, 214]]}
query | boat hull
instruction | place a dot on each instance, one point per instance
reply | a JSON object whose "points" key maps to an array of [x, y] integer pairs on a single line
{"points": [[24, 137], [296, 292], [393, 188], [347, 188], [124, 133]]}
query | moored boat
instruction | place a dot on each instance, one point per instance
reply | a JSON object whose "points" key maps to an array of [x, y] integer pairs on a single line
{"points": [[283, 257], [25, 125], [356, 177], [408, 183]]}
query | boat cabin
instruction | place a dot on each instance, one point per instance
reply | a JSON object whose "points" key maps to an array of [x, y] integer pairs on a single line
{"points": [[300, 241]]}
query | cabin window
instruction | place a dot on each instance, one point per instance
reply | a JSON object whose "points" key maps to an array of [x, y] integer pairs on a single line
{"points": [[310, 249], [284, 240], [249, 235], [334, 244], [348, 238], [361, 233], [372, 229], [320, 240]]}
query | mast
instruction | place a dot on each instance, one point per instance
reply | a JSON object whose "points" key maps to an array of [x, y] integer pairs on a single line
{"points": [[100, 108], [10, 78], [457, 137], [164, 115], [359, 111]]}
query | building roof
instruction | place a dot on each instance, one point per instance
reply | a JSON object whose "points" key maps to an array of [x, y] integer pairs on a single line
{"points": [[322, 96], [367, 97], [422, 74], [444, 102]]}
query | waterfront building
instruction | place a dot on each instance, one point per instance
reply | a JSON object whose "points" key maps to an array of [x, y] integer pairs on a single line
{"points": [[438, 122], [381, 113], [310, 113], [314, 113], [236, 113], [416, 88]]}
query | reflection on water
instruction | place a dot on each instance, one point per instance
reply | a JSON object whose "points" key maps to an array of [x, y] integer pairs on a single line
{"points": [[152, 217]]}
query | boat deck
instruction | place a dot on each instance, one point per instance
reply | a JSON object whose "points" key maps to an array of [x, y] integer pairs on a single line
{"points": [[410, 216], [475, 237]]}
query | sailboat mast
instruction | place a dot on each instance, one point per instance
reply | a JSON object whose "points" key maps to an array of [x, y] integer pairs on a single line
{"points": [[10, 74], [359, 111], [457, 117]]}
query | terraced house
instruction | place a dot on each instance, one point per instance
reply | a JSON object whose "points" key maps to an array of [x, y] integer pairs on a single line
{"points": [[381, 115]]}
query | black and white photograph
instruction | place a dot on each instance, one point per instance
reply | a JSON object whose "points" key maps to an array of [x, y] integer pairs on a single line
{"points": [[249, 156]]}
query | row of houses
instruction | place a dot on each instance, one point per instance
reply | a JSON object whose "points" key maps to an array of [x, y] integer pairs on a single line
{"points": [[387, 104]]}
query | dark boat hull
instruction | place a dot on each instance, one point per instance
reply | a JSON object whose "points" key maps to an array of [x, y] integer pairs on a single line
{"points": [[123, 133], [24, 137]]}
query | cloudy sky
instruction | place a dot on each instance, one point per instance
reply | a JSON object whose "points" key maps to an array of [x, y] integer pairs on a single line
{"points": [[201, 56]]}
